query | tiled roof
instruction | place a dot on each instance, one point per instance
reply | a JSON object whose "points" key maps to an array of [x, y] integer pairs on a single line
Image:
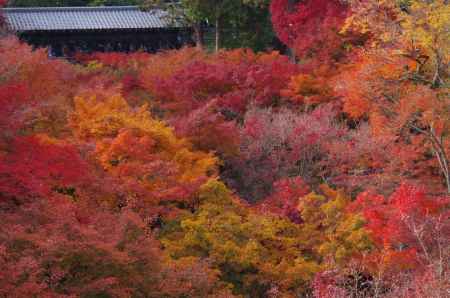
{"points": [[85, 18]]}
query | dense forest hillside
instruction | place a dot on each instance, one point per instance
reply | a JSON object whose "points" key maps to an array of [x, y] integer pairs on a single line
{"points": [[234, 173]]}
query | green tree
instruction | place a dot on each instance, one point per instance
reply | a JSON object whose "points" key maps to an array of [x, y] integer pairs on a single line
{"points": [[184, 12], [248, 20], [197, 12], [250, 26]]}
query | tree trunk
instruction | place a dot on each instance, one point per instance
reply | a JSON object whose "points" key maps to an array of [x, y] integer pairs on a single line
{"points": [[438, 148], [437, 79], [198, 35], [218, 33]]}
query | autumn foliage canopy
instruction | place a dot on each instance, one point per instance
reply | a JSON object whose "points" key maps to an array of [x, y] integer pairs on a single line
{"points": [[234, 174]]}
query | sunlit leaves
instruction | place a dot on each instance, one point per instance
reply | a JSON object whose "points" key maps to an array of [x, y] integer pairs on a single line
{"points": [[335, 233], [141, 151], [40, 166], [310, 28], [409, 229], [254, 252]]}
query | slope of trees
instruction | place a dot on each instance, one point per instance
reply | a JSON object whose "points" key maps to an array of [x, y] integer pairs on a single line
{"points": [[234, 174]]}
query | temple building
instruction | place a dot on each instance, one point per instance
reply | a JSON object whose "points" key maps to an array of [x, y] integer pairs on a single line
{"points": [[66, 30]]}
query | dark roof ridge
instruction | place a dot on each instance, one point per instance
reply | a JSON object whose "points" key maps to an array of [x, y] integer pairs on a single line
{"points": [[86, 18], [72, 8]]}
